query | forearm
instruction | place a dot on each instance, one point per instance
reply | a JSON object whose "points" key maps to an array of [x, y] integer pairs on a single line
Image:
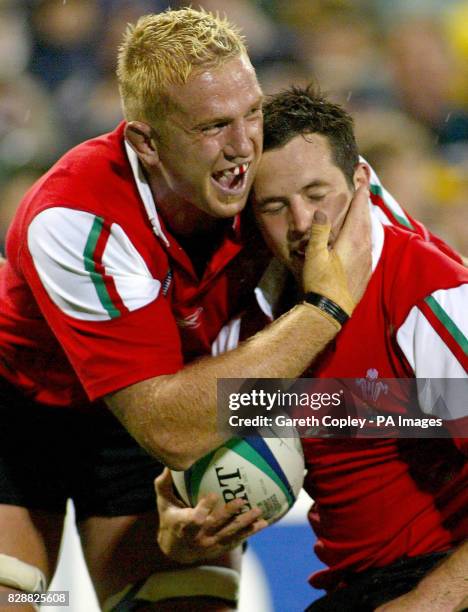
{"points": [[450, 578], [445, 587], [175, 417]]}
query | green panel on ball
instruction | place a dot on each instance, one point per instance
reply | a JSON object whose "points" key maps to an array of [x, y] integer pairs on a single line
{"points": [[243, 449]]}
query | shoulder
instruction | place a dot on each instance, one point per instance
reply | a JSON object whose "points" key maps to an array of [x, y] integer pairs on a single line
{"points": [[107, 150], [422, 263], [85, 176], [95, 178], [413, 270]]}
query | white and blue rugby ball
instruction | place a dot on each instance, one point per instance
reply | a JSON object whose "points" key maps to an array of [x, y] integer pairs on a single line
{"points": [[266, 472]]}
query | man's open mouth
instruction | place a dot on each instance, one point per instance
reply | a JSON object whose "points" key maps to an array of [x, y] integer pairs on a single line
{"points": [[298, 254], [299, 251], [231, 180]]}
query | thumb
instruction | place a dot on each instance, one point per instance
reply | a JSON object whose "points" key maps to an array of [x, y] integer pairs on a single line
{"points": [[163, 486], [163, 483], [319, 232], [316, 255]]}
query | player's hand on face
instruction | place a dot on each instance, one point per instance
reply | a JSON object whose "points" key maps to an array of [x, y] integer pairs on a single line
{"points": [[342, 272], [354, 246], [190, 535], [323, 273]]}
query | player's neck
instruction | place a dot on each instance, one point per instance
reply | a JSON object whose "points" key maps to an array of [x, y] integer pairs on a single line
{"points": [[185, 220], [197, 233], [182, 218]]}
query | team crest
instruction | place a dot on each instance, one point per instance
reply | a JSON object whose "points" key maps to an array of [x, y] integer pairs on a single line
{"points": [[371, 387]]}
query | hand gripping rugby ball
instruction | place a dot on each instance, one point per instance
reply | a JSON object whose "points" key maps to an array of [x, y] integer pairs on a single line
{"points": [[266, 472]]}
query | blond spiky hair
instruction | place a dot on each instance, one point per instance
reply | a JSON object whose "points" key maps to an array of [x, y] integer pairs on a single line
{"points": [[165, 49]]}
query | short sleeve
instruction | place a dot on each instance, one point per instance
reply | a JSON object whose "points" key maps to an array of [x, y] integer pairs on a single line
{"points": [[433, 339], [100, 300]]}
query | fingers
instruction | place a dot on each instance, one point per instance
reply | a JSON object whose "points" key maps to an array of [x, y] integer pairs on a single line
{"points": [[231, 515], [205, 508], [193, 522], [320, 217], [228, 526], [226, 523], [241, 525], [209, 516], [353, 245], [207, 531], [229, 540], [357, 225]]}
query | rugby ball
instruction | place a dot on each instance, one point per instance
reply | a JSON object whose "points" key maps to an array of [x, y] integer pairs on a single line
{"points": [[266, 472]]}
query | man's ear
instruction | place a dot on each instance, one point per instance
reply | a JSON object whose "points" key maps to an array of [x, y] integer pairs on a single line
{"points": [[141, 138], [361, 175]]}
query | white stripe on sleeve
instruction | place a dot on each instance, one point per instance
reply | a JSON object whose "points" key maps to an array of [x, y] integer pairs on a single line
{"points": [[431, 359], [57, 239]]}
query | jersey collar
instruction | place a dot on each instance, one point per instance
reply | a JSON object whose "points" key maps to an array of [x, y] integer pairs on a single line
{"points": [[148, 200], [232, 242], [145, 193]]}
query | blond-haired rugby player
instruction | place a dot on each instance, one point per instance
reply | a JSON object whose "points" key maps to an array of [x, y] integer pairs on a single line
{"points": [[124, 262]]}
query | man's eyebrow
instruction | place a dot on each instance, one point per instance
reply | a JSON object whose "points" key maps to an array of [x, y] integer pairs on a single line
{"points": [[210, 122], [269, 200], [315, 183], [226, 119]]}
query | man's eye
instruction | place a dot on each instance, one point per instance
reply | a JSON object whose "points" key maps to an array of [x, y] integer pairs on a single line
{"points": [[255, 112], [213, 129], [315, 197], [272, 209]]}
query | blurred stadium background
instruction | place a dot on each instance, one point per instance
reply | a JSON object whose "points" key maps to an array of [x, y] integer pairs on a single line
{"points": [[400, 66]]}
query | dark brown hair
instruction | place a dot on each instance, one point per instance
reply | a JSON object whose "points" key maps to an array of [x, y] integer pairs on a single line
{"points": [[301, 111]]}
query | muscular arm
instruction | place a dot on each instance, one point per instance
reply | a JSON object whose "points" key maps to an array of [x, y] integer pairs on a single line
{"points": [[174, 417], [443, 589]]}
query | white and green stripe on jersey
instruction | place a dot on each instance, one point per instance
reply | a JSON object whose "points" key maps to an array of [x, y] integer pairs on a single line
{"points": [[434, 340], [392, 207], [90, 268]]}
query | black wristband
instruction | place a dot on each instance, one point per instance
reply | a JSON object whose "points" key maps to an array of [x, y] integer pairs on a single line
{"points": [[327, 306]]}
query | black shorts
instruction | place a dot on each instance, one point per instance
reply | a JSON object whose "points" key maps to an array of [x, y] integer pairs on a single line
{"points": [[49, 454], [372, 588]]}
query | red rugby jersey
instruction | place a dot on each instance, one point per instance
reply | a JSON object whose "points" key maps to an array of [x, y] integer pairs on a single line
{"points": [[97, 294], [377, 500]]}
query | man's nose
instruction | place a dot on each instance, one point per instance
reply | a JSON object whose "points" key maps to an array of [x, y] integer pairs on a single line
{"points": [[240, 141], [300, 217]]}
